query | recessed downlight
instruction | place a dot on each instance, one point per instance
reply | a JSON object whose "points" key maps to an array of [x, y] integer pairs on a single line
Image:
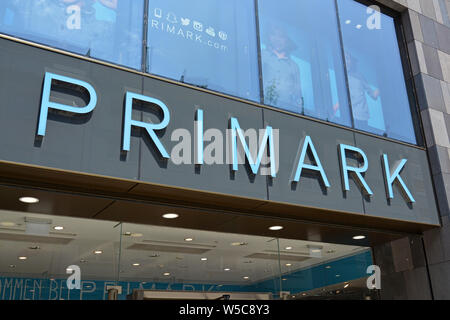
{"points": [[246, 278], [348, 21], [204, 259], [29, 200], [288, 248], [236, 244], [58, 228], [8, 224], [360, 237], [328, 267], [276, 228], [98, 252], [136, 264], [22, 258], [226, 269], [136, 235], [170, 216], [346, 286], [288, 264], [189, 239], [167, 274]]}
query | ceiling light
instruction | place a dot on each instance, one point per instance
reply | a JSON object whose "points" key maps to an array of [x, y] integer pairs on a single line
{"points": [[170, 216], [226, 269], [59, 228], [284, 279], [346, 286], [69, 270], [12, 265], [328, 267], [359, 237], [167, 273], [275, 228], [8, 224], [136, 235], [235, 244], [338, 275], [288, 248], [303, 294], [316, 250], [98, 252], [204, 259], [358, 26], [127, 233], [246, 278], [136, 264], [23, 258], [189, 239], [29, 200], [348, 21], [288, 264]]}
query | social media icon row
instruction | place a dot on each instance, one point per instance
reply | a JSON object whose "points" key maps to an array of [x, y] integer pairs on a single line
{"points": [[172, 18]]}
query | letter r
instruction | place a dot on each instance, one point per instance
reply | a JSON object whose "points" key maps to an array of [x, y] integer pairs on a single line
{"points": [[46, 104], [149, 127]]}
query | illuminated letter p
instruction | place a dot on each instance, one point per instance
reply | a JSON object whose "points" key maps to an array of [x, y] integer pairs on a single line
{"points": [[47, 104]]}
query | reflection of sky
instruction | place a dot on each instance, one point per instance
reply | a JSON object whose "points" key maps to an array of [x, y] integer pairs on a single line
{"points": [[101, 31], [380, 63], [233, 70]]}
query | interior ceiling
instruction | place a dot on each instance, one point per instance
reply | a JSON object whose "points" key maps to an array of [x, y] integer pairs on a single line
{"points": [[157, 250]]}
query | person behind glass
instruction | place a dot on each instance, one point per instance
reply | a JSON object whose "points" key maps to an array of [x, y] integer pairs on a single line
{"points": [[358, 89], [281, 75]]}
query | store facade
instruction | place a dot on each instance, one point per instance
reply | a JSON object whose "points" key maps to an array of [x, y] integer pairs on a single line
{"points": [[219, 149]]}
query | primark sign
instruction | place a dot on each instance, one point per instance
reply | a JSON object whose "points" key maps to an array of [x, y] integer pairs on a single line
{"points": [[256, 148]]}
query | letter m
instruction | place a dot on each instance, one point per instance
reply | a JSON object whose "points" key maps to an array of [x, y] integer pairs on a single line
{"points": [[236, 132]]}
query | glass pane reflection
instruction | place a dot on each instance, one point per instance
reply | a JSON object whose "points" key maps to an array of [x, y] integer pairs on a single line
{"points": [[302, 64], [164, 261], [109, 30], [378, 92], [211, 44]]}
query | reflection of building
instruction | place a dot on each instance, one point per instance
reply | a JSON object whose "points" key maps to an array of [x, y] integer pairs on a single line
{"points": [[129, 217]]}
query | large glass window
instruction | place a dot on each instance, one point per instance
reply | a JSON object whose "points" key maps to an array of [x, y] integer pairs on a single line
{"points": [[377, 86], [302, 63], [38, 254], [109, 30], [208, 43]]}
